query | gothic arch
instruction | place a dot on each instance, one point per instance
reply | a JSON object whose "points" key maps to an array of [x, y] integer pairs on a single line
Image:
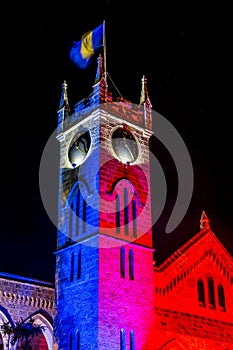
{"points": [[84, 188], [134, 174], [77, 206], [113, 189], [4, 317], [44, 319]]}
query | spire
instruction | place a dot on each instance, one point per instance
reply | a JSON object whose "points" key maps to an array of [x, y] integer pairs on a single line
{"points": [[64, 108], [204, 222], [99, 71], [146, 104], [64, 97], [100, 92], [144, 92]]}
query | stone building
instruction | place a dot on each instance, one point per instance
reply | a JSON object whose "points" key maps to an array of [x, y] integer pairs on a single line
{"points": [[109, 292], [21, 298], [193, 295]]}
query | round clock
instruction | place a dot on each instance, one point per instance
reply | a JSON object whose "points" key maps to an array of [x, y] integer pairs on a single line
{"points": [[79, 148], [124, 145]]}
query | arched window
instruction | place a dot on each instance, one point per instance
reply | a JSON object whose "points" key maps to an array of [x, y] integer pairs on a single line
{"points": [[79, 256], [77, 212], [127, 207], [77, 340], [134, 216], [84, 216], [81, 213], [132, 341], [122, 262], [71, 341], [211, 295], [78, 215], [122, 340], [118, 222], [126, 212], [71, 218], [221, 298], [201, 292], [72, 267], [131, 264]]}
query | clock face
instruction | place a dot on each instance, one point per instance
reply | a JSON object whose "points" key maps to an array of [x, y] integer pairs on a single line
{"points": [[124, 145], [79, 148]]}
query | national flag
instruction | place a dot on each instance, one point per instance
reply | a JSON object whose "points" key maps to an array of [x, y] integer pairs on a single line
{"points": [[82, 51]]}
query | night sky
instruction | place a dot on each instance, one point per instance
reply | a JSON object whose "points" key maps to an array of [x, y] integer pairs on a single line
{"points": [[183, 50]]}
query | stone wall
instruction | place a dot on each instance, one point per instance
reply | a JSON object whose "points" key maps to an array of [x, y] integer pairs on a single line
{"points": [[22, 297]]}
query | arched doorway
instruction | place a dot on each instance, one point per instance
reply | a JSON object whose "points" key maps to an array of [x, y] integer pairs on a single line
{"points": [[1, 342], [43, 341], [37, 343], [4, 317]]}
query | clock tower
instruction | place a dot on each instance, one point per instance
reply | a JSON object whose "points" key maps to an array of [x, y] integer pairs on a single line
{"points": [[104, 257]]}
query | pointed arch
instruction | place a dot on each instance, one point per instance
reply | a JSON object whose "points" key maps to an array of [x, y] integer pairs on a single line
{"points": [[201, 292], [79, 262], [221, 298], [72, 267], [122, 340], [132, 340], [134, 218], [4, 317], [135, 173], [128, 207], [114, 186], [211, 295], [122, 262], [126, 211], [77, 339], [80, 183], [131, 264], [118, 217], [71, 340], [77, 206], [42, 318]]}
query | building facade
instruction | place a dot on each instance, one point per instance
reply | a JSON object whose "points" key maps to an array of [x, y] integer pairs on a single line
{"points": [[22, 298], [109, 292]]}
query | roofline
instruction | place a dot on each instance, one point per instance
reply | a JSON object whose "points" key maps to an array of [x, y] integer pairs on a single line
{"points": [[173, 257], [24, 279]]}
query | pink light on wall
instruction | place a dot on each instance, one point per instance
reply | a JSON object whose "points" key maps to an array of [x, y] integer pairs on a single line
{"points": [[126, 187], [125, 302]]}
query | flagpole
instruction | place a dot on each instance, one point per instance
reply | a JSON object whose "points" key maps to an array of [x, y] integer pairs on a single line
{"points": [[104, 42], [105, 64]]}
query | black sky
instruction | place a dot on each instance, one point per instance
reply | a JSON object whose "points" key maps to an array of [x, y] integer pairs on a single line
{"points": [[183, 49]]}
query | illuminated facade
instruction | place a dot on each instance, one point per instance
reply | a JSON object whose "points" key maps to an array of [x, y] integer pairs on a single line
{"points": [[193, 295], [109, 294], [21, 298], [104, 268]]}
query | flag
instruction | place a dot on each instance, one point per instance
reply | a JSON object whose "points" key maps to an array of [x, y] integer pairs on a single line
{"points": [[82, 51]]}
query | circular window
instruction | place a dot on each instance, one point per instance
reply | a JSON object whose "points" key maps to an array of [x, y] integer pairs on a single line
{"points": [[124, 145], [79, 148]]}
